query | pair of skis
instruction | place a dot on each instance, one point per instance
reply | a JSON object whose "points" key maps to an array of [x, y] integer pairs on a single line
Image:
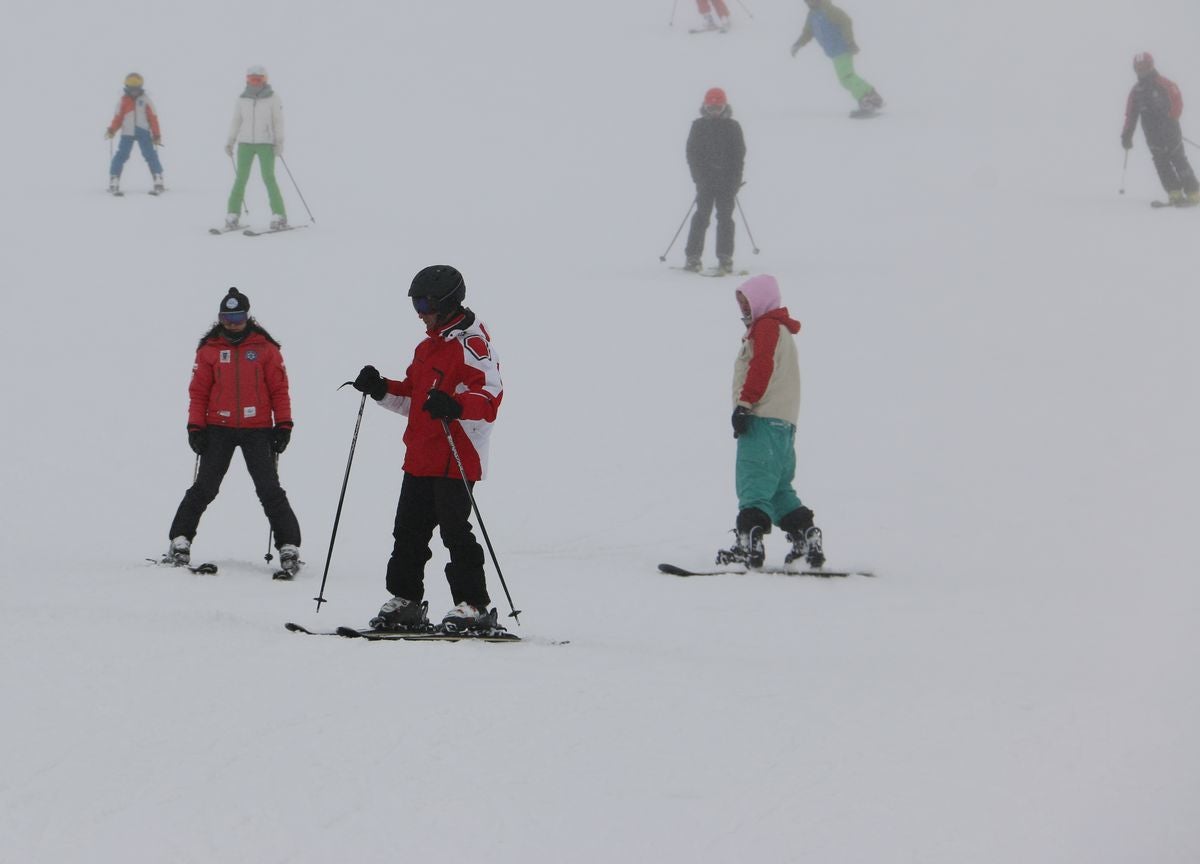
{"points": [[714, 272], [254, 232], [431, 634], [208, 568], [821, 572]]}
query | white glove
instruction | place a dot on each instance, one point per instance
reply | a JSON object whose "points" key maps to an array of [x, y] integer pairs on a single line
{"points": [[229, 149]]}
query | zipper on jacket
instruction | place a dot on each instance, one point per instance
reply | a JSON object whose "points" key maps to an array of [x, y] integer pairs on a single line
{"points": [[237, 385]]}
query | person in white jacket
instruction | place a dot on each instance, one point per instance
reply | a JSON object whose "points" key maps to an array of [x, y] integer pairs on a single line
{"points": [[257, 130]]}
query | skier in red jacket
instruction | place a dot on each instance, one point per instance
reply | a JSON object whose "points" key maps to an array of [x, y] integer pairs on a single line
{"points": [[238, 398], [451, 386], [1158, 103]]}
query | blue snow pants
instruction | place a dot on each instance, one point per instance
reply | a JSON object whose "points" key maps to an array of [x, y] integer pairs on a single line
{"points": [[145, 142]]}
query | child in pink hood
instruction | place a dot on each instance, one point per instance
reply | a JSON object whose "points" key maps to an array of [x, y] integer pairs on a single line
{"points": [[766, 400]]}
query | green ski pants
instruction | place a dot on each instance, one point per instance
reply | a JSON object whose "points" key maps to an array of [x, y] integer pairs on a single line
{"points": [[843, 65], [766, 467], [266, 164]]}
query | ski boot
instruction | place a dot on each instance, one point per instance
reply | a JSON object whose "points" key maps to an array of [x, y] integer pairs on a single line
{"points": [[692, 265], [465, 617], [724, 25], [709, 22], [725, 266], [748, 550], [114, 184], [1191, 199], [180, 553], [231, 221], [289, 559], [158, 184], [1175, 198], [278, 222], [400, 614], [871, 101]]}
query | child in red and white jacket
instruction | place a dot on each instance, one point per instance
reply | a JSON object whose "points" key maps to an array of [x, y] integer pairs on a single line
{"points": [[766, 407], [136, 120]]}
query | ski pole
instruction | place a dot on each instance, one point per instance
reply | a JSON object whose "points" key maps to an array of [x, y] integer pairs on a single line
{"points": [[753, 245], [1190, 141], [671, 23], [320, 598], [271, 528], [1124, 168], [663, 257], [748, 12], [233, 165], [478, 518], [311, 218]]}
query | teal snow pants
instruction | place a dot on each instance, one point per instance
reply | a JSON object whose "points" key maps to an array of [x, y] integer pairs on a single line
{"points": [[766, 467]]}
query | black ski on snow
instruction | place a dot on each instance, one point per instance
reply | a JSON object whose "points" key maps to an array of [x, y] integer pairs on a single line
{"points": [[673, 570], [432, 635], [206, 567], [255, 232], [864, 113]]}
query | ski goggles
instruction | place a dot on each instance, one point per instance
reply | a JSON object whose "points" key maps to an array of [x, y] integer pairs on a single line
{"points": [[424, 305], [233, 317]]}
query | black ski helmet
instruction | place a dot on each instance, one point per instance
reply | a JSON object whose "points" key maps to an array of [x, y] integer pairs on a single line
{"points": [[438, 288]]}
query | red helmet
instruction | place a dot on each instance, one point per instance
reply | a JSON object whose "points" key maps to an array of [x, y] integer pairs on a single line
{"points": [[715, 97], [1143, 64]]}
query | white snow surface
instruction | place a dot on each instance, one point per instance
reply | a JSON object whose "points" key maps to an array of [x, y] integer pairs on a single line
{"points": [[999, 416]]}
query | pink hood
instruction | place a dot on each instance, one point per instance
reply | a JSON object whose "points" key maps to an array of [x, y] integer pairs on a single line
{"points": [[762, 293]]}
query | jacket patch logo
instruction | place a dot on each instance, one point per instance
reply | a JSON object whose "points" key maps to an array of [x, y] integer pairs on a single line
{"points": [[226, 356], [224, 414], [251, 355], [478, 346], [249, 411]]}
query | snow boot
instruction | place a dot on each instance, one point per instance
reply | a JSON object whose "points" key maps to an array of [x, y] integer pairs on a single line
{"points": [[748, 550], [158, 183], [464, 616], [692, 265], [289, 559], [814, 552], [278, 221], [180, 553], [400, 614]]}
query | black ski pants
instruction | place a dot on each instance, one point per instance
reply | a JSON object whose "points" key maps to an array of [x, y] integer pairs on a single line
{"points": [[1171, 162], [708, 197], [260, 462], [427, 503]]}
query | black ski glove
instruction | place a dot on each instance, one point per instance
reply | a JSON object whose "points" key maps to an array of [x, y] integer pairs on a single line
{"points": [[197, 439], [280, 436], [741, 420], [369, 381], [442, 406], [1127, 142]]}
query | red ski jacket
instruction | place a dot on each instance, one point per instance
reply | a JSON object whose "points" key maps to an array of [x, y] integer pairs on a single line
{"points": [[457, 358], [239, 386]]}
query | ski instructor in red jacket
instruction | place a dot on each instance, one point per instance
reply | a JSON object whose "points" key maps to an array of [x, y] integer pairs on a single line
{"points": [[453, 382], [238, 398]]}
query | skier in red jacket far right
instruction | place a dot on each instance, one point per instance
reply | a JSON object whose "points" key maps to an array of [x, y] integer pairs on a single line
{"points": [[1158, 103]]}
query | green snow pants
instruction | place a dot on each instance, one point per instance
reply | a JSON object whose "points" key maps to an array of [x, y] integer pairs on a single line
{"points": [[843, 65], [766, 466], [266, 164]]}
